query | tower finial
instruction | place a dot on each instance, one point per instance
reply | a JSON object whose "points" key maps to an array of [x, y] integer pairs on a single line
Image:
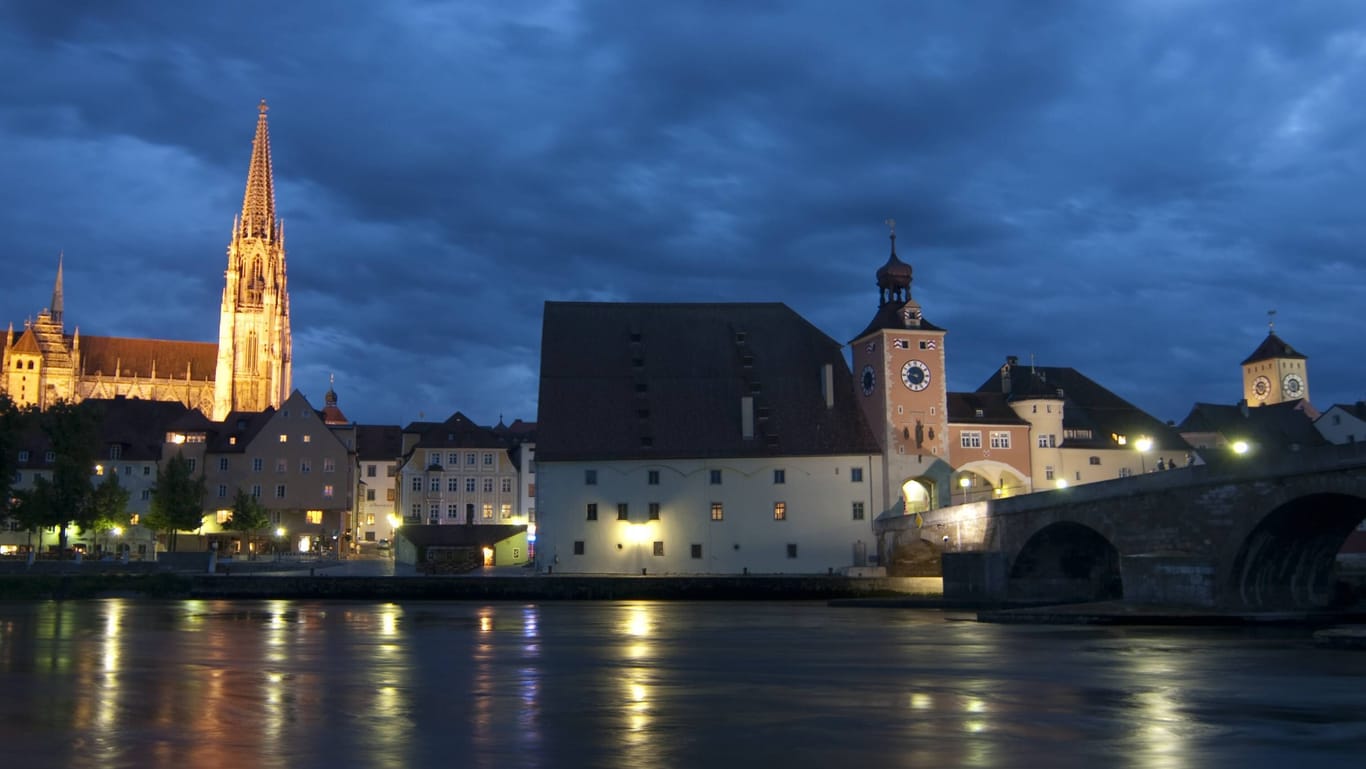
{"points": [[57, 289], [258, 204], [1271, 320], [891, 225]]}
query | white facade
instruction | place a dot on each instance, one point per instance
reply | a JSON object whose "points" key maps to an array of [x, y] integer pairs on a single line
{"points": [[378, 501], [449, 486], [1339, 425], [776, 515]]}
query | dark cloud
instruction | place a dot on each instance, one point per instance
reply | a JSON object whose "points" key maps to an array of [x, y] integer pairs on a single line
{"points": [[1121, 187]]}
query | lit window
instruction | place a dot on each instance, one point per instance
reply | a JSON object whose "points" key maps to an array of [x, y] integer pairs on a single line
{"points": [[780, 511], [314, 516], [718, 511], [284, 438], [488, 510], [505, 510], [369, 519], [327, 490], [388, 495], [308, 438]]}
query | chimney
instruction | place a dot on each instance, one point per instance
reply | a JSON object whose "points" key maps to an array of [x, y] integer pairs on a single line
{"points": [[828, 385], [1005, 374], [747, 418], [1242, 407]]}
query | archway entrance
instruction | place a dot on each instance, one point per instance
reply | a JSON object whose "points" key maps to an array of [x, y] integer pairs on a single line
{"points": [[917, 495]]}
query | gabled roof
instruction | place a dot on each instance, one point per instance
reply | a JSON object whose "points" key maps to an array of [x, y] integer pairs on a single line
{"points": [[459, 431], [1276, 426], [994, 410], [27, 344], [1357, 409], [137, 426], [238, 429], [378, 443], [647, 381], [1088, 408], [142, 357], [888, 317], [1271, 348]]}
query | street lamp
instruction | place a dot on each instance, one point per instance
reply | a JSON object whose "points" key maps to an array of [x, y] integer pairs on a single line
{"points": [[1240, 447], [279, 541], [1143, 444], [965, 483]]}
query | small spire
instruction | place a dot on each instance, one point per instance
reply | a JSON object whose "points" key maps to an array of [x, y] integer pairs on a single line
{"points": [[891, 225], [57, 290], [1271, 321], [258, 204]]}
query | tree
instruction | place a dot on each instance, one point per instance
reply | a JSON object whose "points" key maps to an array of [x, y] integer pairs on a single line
{"points": [[73, 431], [36, 507], [177, 499], [248, 516], [11, 428], [109, 506]]}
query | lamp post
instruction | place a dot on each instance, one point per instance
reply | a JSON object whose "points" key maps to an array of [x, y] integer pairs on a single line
{"points": [[965, 483], [1240, 447], [1143, 444], [279, 541]]}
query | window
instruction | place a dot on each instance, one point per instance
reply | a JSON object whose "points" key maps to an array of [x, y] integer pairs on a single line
{"points": [[488, 511], [147, 493], [469, 485], [370, 520], [590, 477], [434, 511], [1043, 441], [279, 491], [652, 477], [388, 495], [452, 484], [1048, 473], [281, 465], [1095, 460], [417, 483], [856, 475], [715, 477], [453, 459], [222, 463], [791, 550], [369, 471], [718, 511], [696, 550], [193, 463], [257, 465], [469, 458], [1052, 440], [1000, 440], [507, 485], [127, 469], [505, 510], [654, 511], [858, 511], [488, 460], [1078, 475], [971, 439], [284, 438], [592, 511], [305, 466], [223, 516], [779, 476], [659, 548], [452, 511], [433, 459], [308, 438], [222, 490], [488, 485], [434, 484], [622, 512], [327, 490], [780, 511], [256, 490], [369, 495], [1125, 472], [578, 547], [23, 456], [329, 465]]}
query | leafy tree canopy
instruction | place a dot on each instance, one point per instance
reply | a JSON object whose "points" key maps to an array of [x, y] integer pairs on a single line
{"points": [[177, 502]]}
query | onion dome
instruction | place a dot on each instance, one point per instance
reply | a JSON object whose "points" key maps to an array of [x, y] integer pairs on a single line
{"points": [[894, 277]]}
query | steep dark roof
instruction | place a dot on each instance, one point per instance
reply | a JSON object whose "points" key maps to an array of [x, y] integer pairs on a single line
{"points": [[457, 432], [963, 408], [137, 426], [238, 429], [1088, 408], [644, 381], [1275, 426], [378, 443], [140, 357], [1272, 347], [1357, 409], [888, 316]]}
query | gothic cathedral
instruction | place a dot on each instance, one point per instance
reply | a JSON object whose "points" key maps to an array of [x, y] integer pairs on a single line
{"points": [[247, 370]]}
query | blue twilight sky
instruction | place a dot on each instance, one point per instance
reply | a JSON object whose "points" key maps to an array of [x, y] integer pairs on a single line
{"points": [[1121, 187]]}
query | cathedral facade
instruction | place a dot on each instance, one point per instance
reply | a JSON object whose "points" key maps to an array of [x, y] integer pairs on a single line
{"points": [[248, 369]]}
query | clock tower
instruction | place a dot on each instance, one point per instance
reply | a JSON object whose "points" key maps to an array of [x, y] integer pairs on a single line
{"points": [[900, 384], [1275, 372]]}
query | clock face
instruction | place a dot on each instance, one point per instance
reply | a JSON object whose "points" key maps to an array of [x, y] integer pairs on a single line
{"points": [[1292, 385], [915, 375], [1261, 387], [868, 380]]}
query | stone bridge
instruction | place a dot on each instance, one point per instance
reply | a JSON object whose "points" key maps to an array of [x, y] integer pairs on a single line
{"points": [[1259, 534]]}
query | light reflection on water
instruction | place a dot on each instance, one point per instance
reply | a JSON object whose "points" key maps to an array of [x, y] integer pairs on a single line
{"points": [[209, 684]]}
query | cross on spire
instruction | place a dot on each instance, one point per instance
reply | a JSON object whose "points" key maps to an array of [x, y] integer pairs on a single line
{"points": [[1271, 320]]}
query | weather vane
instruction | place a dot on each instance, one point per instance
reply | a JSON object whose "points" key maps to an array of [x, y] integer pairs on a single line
{"points": [[1271, 319], [891, 224]]}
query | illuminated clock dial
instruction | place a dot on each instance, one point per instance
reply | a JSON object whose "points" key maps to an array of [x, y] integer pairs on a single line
{"points": [[1261, 387], [915, 375], [868, 380], [1293, 386]]}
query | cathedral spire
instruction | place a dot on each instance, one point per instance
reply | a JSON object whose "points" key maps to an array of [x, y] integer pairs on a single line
{"points": [[258, 204], [57, 291]]}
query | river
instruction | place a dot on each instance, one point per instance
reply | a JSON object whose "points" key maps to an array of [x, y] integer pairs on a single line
{"points": [[209, 684]]}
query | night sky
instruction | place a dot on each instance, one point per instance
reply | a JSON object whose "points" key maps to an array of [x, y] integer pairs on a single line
{"points": [[1124, 188]]}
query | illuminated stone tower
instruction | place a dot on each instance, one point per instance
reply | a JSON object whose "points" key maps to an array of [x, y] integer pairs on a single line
{"points": [[900, 382], [254, 355], [1275, 372]]}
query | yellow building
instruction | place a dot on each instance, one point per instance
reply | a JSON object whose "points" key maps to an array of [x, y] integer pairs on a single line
{"points": [[248, 369]]}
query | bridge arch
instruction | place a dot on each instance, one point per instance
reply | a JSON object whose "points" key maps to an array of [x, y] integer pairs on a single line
{"points": [[988, 479], [1066, 561], [1289, 557]]}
